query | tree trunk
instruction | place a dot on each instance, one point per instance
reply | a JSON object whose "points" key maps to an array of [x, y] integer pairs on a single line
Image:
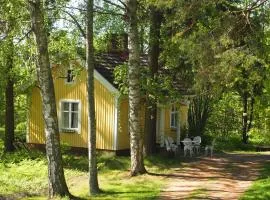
{"points": [[136, 139], [151, 105], [198, 114], [57, 182], [251, 113], [93, 175], [150, 127], [9, 93], [245, 119]]}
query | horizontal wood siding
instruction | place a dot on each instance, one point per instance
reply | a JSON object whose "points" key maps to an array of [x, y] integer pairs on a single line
{"points": [[104, 105]]}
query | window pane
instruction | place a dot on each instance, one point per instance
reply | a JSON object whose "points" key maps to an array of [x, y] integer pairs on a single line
{"points": [[70, 75], [74, 106], [74, 120], [65, 119], [65, 106], [172, 120], [173, 108]]}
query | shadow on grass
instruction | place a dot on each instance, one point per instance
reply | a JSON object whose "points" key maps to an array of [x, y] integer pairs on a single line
{"points": [[105, 162], [126, 195], [19, 155], [165, 161]]}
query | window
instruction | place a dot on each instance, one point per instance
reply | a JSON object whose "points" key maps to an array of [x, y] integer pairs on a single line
{"points": [[70, 76], [174, 117], [70, 115]]}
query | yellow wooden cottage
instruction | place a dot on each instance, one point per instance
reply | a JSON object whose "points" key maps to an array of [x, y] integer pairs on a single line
{"points": [[111, 109]]}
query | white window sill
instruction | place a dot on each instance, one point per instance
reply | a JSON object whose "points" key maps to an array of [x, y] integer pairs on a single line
{"points": [[68, 130]]}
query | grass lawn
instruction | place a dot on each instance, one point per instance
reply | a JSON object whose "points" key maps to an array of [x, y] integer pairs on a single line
{"points": [[260, 189], [23, 175]]}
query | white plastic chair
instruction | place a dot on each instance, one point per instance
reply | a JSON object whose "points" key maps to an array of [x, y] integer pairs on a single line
{"points": [[210, 148], [188, 146], [197, 143], [170, 146]]}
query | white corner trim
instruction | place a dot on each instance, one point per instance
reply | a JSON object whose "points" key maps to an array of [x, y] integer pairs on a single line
{"points": [[115, 142], [106, 83], [162, 127], [178, 130], [101, 79]]}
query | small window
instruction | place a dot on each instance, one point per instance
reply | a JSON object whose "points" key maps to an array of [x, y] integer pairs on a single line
{"points": [[70, 76], [70, 116], [174, 117]]}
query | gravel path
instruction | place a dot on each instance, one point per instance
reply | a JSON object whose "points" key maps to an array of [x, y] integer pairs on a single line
{"points": [[225, 176]]}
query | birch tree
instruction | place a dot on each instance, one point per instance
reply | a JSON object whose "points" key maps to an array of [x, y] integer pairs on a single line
{"points": [[57, 182], [93, 179], [136, 138]]}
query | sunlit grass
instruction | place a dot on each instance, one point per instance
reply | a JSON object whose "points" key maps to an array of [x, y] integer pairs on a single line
{"points": [[23, 175], [260, 189]]}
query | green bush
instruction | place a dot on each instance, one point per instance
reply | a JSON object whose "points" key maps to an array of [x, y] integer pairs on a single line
{"points": [[259, 137], [232, 143]]}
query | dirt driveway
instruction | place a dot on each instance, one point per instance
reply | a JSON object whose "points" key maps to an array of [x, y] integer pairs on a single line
{"points": [[225, 176]]}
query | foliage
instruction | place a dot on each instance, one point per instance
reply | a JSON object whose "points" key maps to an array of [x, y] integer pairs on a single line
{"points": [[217, 47], [108, 22], [120, 78], [198, 113], [62, 47], [232, 143], [161, 87], [13, 14], [225, 121]]}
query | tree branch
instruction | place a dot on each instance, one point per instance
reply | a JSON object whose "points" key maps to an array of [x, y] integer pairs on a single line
{"points": [[252, 6], [109, 13], [116, 5], [76, 23], [25, 35], [106, 12], [125, 5], [3, 38], [75, 8], [256, 5]]}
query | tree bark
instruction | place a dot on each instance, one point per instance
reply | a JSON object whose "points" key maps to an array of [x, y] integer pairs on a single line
{"points": [[9, 93], [93, 175], [245, 119], [151, 104], [251, 113], [57, 182], [136, 139]]}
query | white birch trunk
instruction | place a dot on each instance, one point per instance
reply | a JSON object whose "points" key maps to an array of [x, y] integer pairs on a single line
{"points": [[136, 138]]}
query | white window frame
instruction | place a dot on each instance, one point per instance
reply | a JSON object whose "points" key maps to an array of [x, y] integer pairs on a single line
{"points": [[66, 78], [174, 113], [65, 129]]}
